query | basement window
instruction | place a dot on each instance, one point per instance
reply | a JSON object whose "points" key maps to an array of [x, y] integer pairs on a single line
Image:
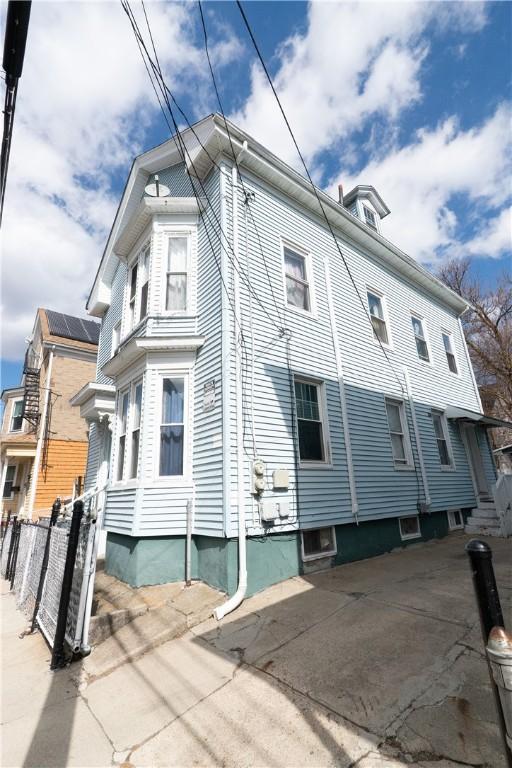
{"points": [[409, 527], [320, 542], [455, 519]]}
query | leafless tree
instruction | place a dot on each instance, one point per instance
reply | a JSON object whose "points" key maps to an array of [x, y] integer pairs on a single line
{"points": [[488, 331]]}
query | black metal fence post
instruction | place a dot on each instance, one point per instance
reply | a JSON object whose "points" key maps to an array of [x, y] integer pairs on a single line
{"points": [[12, 547], [44, 564], [58, 655], [14, 560], [491, 615]]}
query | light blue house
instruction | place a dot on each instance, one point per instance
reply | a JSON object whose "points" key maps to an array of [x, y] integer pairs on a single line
{"points": [[294, 402]]}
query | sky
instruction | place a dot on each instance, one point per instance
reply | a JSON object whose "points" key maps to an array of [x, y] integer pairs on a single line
{"points": [[412, 98]]}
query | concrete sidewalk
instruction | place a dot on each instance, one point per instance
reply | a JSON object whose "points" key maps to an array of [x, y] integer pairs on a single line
{"points": [[377, 663]]}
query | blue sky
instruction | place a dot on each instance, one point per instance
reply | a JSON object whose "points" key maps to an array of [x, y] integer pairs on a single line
{"points": [[412, 98]]}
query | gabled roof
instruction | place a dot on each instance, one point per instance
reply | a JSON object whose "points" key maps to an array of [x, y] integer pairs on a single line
{"points": [[371, 194], [211, 140], [68, 331]]}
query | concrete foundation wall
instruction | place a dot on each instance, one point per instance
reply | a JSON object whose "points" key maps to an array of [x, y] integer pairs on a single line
{"points": [[270, 559]]}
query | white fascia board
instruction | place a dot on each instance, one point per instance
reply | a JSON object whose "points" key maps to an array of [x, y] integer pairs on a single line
{"points": [[147, 209], [27, 452], [135, 348], [91, 389]]}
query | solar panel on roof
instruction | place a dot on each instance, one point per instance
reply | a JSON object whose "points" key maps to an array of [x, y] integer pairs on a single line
{"points": [[70, 327]]}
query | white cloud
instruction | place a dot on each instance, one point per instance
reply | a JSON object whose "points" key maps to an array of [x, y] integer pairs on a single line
{"points": [[418, 182], [495, 237], [354, 61], [84, 108]]}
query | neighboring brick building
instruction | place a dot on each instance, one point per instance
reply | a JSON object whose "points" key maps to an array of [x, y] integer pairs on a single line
{"points": [[40, 428]]}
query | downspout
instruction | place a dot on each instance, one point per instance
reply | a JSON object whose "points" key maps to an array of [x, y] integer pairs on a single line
{"points": [[240, 593], [225, 361], [408, 387], [470, 364], [39, 448], [341, 388]]}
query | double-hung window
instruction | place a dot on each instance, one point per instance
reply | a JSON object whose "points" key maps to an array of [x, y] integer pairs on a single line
{"points": [[16, 416], [440, 429], [177, 273], [310, 421], [124, 403], [9, 481], [135, 428], [144, 282], [297, 283], [172, 427], [369, 217], [397, 423], [132, 296], [450, 354], [420, 338], [378, 318]]}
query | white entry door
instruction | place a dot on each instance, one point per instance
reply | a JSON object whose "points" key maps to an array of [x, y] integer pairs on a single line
{"points": [[477, 465]]}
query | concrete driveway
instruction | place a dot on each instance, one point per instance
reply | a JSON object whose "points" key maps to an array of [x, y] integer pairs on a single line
{"points": [[377, 663]]}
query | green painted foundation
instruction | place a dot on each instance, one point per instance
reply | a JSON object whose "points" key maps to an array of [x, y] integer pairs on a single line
{"points": [[270, 559]]}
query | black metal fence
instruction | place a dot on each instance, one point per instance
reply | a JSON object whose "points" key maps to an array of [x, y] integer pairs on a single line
{"points": [[50, 566]]}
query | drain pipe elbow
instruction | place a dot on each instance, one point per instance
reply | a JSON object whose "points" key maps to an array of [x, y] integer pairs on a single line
{"points": [[233, 601]]}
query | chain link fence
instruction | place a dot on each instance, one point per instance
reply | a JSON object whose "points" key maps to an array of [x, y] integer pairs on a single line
{"points": [[51, 567]]}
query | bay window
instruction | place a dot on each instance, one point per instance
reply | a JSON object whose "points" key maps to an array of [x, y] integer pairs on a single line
{"points": [[124, 401], [172, 427], [178, 247]]}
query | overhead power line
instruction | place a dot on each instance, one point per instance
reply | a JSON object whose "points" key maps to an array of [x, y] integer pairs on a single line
{"points": [[16, 28]]}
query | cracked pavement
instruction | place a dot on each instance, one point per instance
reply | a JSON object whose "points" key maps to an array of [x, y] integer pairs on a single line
{"points": [[376, 663]]}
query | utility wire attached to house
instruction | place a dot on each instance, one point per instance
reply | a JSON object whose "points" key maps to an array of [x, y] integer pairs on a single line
{"points": [[16, 28]]}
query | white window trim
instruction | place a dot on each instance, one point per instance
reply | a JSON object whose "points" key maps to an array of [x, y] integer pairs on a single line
{"points": [[446, 433], [13, 484], [430, 361], [320, 555], [167, 235], [452, 525], [454, 353], [122, 481], [135, 259], [186, 478], [385, 312], [115, 346], [308, 262], [129, 427], [409, 536], [360, 204], [405, 431], [11, 415], [324, 420]]}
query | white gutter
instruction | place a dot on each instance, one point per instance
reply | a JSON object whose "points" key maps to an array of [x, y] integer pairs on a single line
{"points": [[39, 448], [240, 593], [408, 386], [225, 360], [341, 388], [470, 364]]}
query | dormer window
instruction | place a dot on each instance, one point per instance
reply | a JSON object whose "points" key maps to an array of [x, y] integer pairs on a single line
{"points": [[370, 217]]}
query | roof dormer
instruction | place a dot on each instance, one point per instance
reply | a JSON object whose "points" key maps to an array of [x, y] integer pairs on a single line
{"points": [[366, 204]]}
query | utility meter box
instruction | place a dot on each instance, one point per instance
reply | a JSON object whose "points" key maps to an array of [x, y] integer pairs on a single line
{"points": [[268, 511], [258, 477], [280, 479]]}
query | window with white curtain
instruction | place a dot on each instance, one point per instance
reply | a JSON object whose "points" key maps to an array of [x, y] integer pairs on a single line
{"points": [[420, 338], [135, 428], [378, 318], [172, 427], [124, 402], [297, 282], [177, 273]]}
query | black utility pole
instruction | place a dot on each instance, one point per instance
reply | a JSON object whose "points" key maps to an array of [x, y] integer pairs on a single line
{"points": [[16, 28]]}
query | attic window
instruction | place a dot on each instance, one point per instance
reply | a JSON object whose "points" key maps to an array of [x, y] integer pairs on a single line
{"points": [[369, 218]]}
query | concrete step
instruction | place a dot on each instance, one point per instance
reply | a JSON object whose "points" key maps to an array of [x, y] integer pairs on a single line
{"points": [[484, 511], [489, 522], [486, 504], [158, 624], [482, 530]]}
